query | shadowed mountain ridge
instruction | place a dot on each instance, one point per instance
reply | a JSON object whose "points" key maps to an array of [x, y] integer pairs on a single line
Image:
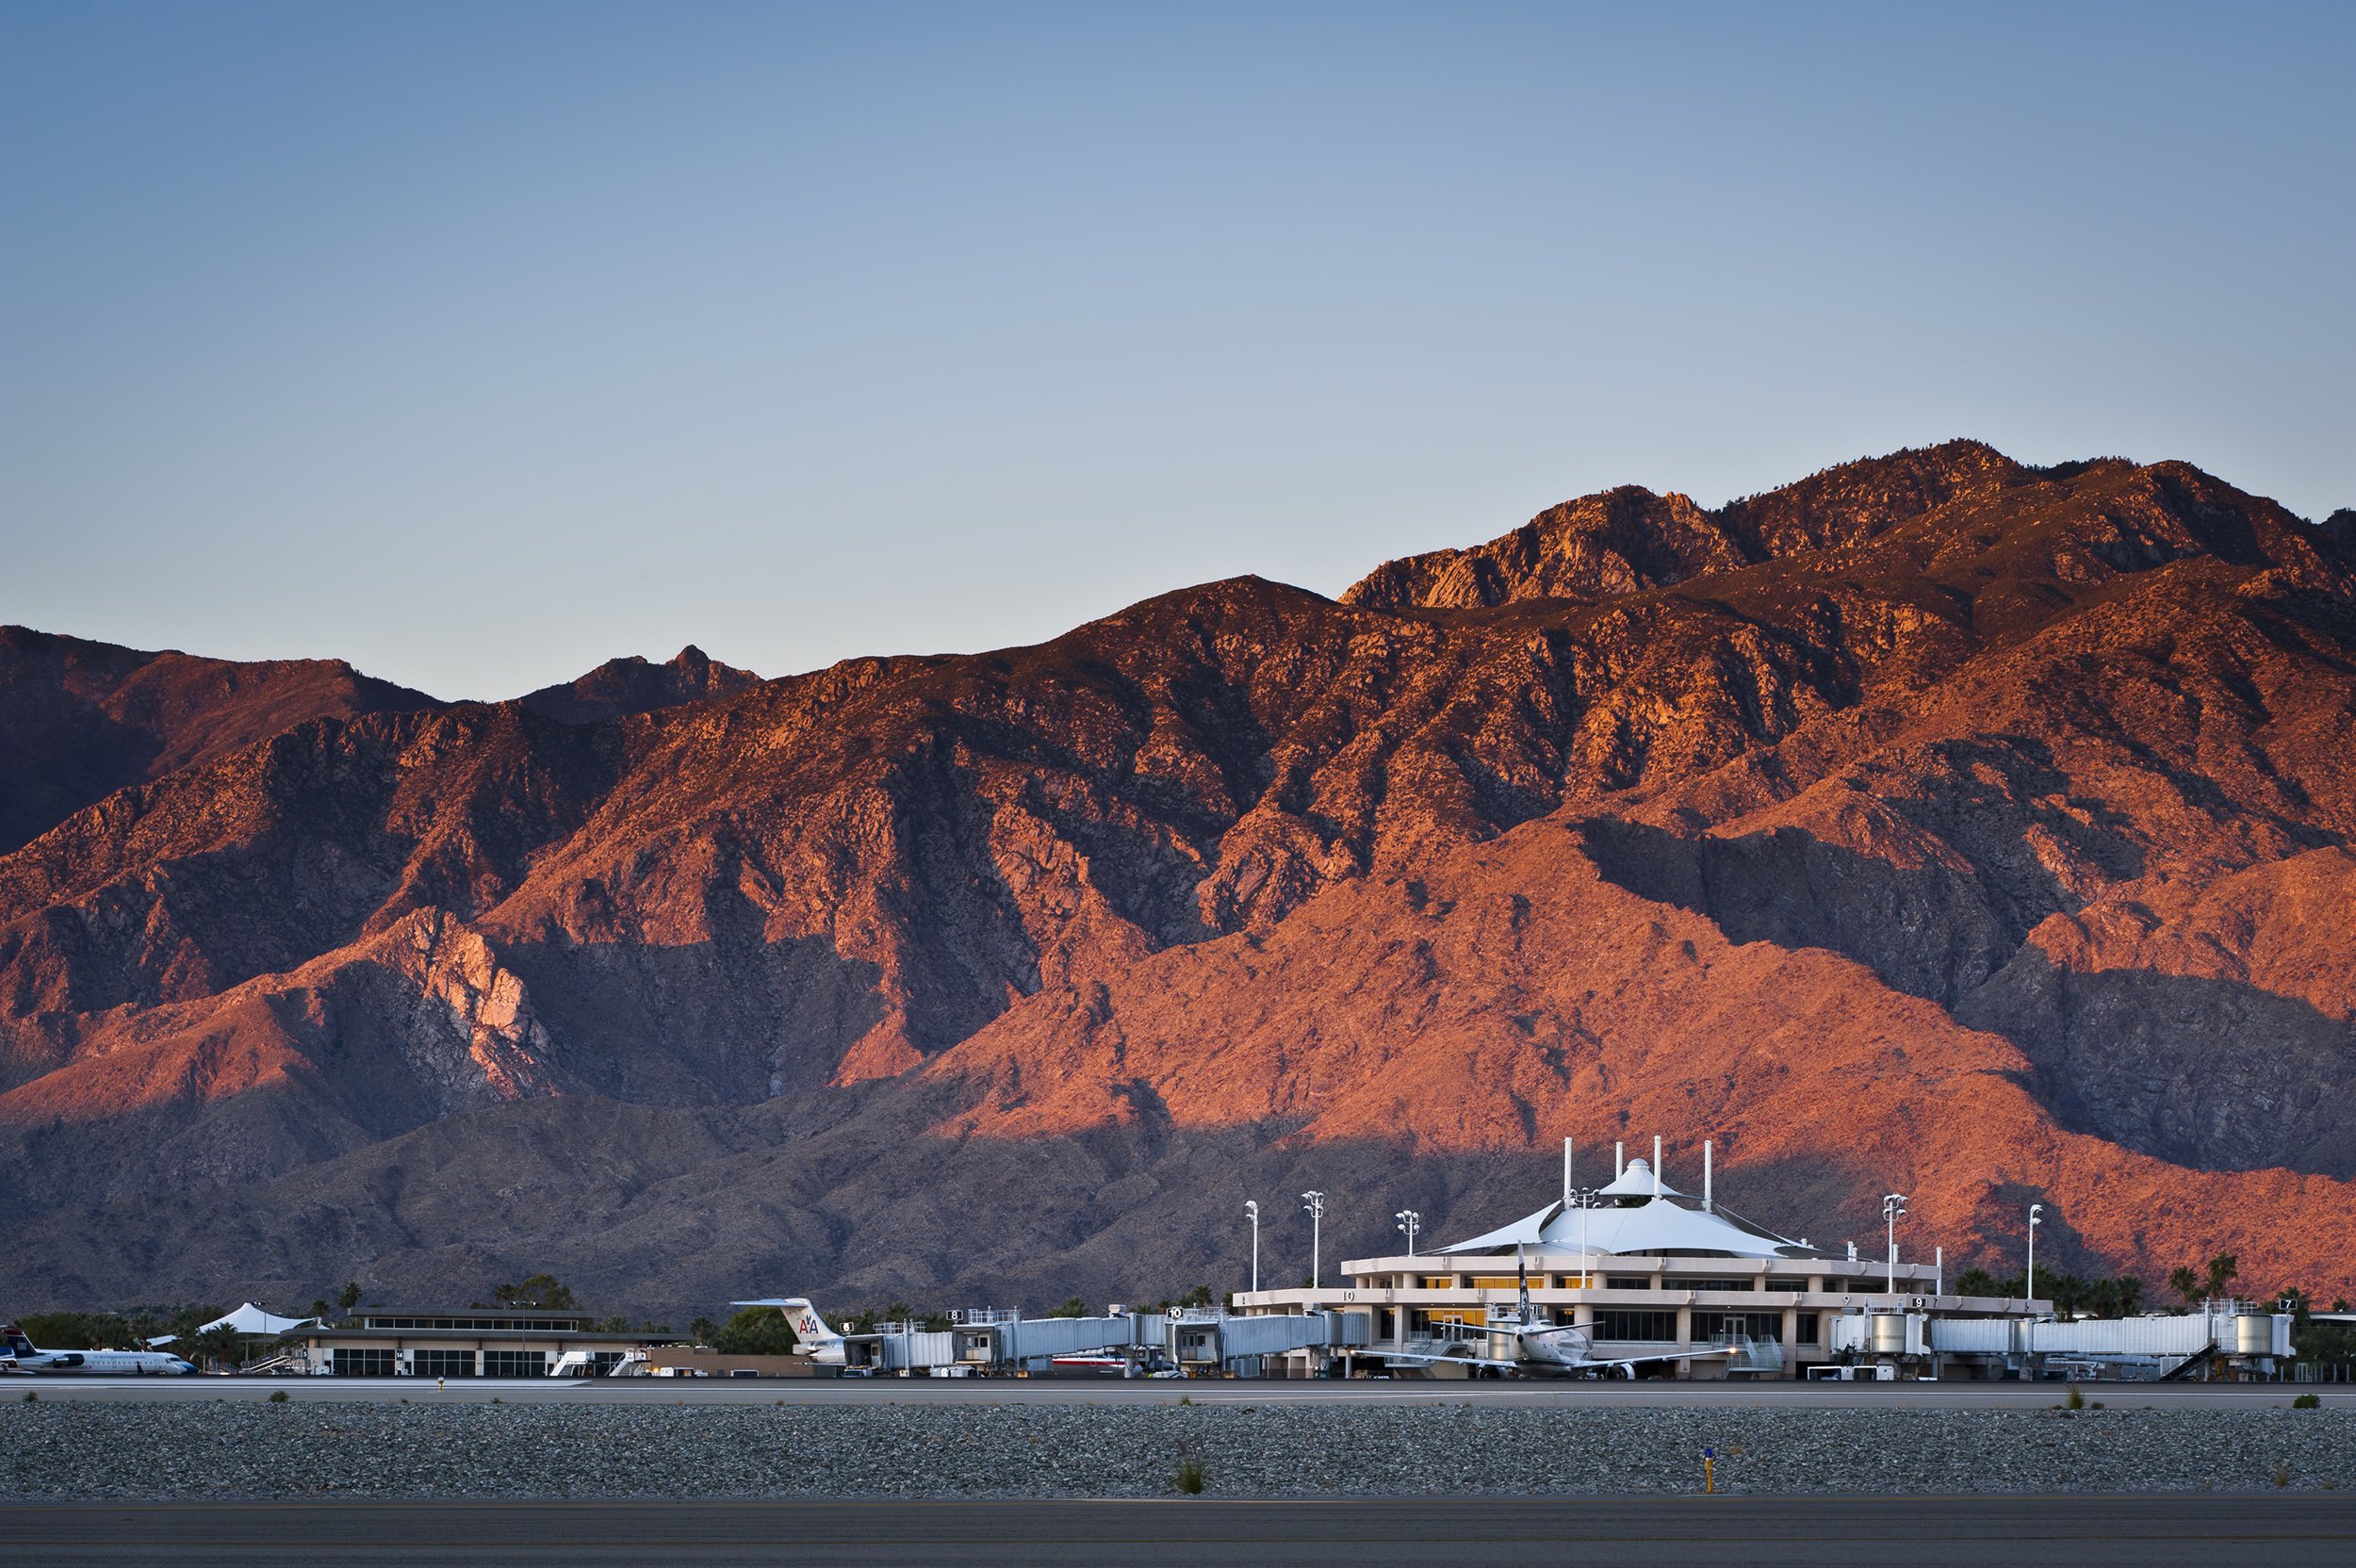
{"points": [[1927, 810]]}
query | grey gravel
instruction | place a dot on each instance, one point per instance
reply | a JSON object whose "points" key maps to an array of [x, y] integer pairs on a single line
{"points": [[251, 1449]]}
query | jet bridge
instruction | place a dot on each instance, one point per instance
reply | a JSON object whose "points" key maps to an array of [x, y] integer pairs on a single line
{"points": [[1004, 1339], [2236, 1334], [1193, 1339], [1210, 1338]]}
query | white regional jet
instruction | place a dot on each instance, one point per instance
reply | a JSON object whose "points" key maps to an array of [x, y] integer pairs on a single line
{"points": [[23, 1356], [818, 1342], [1541, 1349]]}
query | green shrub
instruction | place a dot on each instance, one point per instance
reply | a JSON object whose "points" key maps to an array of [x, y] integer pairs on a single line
{"points": [[755, 1332], [278, 1396], [1189, 1479], [2308, 1402], [2076, 1400]]}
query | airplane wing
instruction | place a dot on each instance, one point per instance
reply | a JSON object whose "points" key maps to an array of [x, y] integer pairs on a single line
{"points": [[1423, 1357], [1664, 1355]]}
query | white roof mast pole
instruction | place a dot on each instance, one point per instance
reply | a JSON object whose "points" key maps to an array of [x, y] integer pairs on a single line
{"points": [[1656, 1168], [1708, 1206], [1567, 1175], [1619, 1160]]}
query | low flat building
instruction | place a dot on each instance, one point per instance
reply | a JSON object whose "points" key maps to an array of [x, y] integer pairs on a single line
{"points": [[497, 1342], [1649, 1274], [702, 1360]]}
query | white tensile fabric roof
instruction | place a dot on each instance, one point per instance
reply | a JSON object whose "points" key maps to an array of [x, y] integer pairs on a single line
{"points": [[1650, 1228], [255, 1323], [1637, 1182]]}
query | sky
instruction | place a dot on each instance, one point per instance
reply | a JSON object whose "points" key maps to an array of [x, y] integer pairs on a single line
{"points": [[479, 343]]}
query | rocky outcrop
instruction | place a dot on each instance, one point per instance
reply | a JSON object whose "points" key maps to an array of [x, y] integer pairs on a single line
{"points": [[620, 687], [1938, 820]]}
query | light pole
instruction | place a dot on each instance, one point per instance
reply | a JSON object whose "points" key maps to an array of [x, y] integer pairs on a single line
{"points": [[1409, 1221], [1251, 1212], [2028, 1280], [1585, 1199], [1315, 1203], [1894, 1210]]}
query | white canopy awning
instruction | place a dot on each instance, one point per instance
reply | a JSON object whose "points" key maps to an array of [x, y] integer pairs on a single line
{"points": [[1652, 1229], [1637, 1182], [253, 1322]]}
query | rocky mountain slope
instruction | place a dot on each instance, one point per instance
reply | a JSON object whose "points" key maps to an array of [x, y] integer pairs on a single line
{"points": [[80, 720], [1936, 823]]}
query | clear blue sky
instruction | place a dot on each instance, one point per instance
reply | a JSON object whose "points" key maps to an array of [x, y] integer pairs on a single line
{"points": [[478, 343]]}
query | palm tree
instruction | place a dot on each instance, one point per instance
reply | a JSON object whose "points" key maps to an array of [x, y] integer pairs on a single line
{"points": [[2185, 1282], [218, 1347]]}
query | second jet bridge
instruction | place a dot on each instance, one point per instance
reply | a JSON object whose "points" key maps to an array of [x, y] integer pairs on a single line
{"points": [[1188, 1338], [997, 1338], [1207, 1339]]}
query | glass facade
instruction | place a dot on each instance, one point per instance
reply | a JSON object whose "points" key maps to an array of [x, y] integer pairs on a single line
{"points": [[1626, 1323]]}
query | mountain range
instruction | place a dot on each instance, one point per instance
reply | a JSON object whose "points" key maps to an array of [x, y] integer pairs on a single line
{"points": [[1939, 824]]}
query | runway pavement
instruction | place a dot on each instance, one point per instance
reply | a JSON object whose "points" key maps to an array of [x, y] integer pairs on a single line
{"points": [[1111, 1391], [2282, 1530]]}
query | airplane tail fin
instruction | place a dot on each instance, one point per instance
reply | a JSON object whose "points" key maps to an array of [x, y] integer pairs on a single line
{"points": [[14, 1338], [811, 1337], [809, 1326]]}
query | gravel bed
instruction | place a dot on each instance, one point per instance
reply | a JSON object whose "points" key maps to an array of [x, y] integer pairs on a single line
{"points": [[253, 1449]]}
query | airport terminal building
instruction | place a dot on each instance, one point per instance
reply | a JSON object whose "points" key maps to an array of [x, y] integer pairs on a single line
{"points": [[1648, 1271], [498, 1342]]}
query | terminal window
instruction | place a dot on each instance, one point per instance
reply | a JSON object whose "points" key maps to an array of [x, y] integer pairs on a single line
{"points": [[1708, 1284], [1753, 1325], [1628, 1281], [442, 1364], [515, 1363], [1620, 1323], [1808, 1328], [366, 1364]]}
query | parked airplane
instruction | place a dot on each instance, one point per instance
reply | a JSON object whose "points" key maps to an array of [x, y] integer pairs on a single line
{"points": [[818, 1342], [1543, 1350], [23, 1356]]}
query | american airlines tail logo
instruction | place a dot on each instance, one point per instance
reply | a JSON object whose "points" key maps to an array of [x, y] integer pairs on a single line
{"points": [[809, 1326]]}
